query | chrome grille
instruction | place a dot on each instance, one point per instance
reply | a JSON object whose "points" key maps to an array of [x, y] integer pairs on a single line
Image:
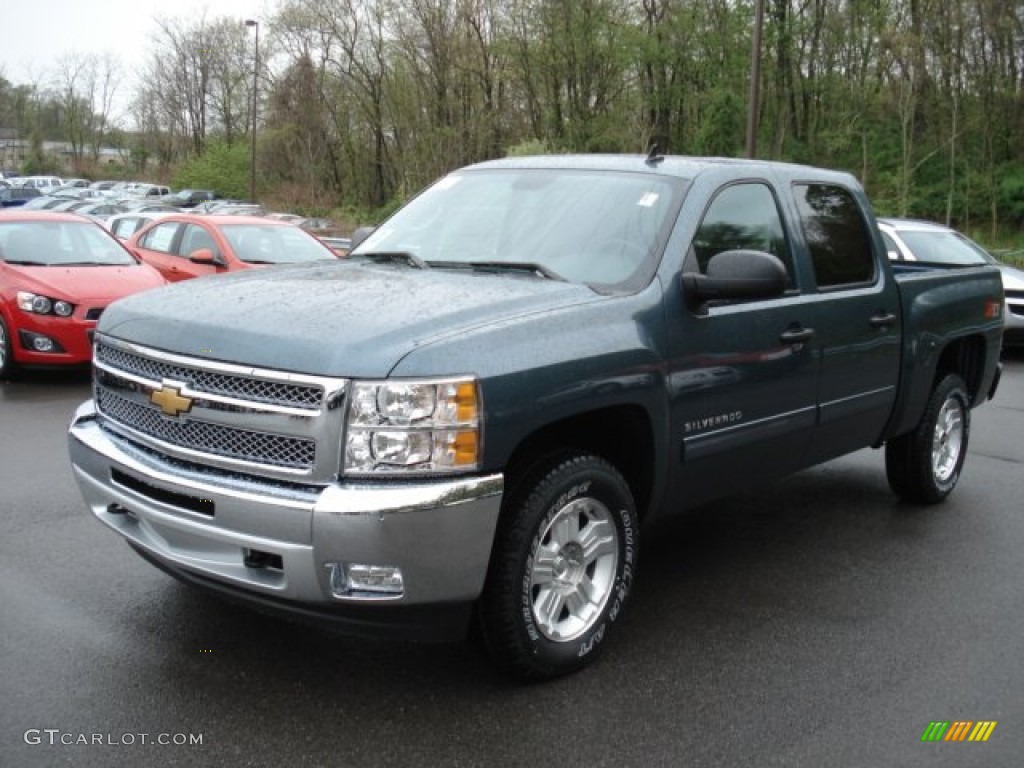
{"points": [[304, 396], [229, 442]]}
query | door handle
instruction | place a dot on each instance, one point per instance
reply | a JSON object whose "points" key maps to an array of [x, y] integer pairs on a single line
{"points": [[882, 319], [796, 335]]}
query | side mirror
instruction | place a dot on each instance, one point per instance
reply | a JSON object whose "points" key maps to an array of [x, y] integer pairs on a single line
{"points": [[203, 256], [360, 235], [739, 274]]}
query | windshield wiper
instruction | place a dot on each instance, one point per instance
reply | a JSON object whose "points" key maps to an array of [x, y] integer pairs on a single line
{"points": [[26, 263], [407, 256], [528, 267], [531, 267]]}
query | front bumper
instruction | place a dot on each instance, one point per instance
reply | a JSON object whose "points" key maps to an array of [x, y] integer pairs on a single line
{"points": [[71, 334], [269, 543]]}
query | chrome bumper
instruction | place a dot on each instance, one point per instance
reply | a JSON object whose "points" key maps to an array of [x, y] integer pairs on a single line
{"points": [[273, 540]]}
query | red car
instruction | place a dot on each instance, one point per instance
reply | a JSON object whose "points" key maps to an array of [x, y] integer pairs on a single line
{"points": [[188, 245], [58, 271]]}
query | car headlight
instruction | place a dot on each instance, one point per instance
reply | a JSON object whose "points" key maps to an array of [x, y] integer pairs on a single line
{"points": [[413, 426], [44, 305]]}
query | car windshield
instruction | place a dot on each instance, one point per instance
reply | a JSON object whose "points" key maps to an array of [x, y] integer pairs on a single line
{"points": [[941, 247], [60, 243], [273, 244], [592, 227]]}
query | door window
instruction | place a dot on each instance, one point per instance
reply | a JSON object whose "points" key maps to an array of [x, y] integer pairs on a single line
{"points": [[195, 238], [160, 238], [742, 216], [837, 235]]}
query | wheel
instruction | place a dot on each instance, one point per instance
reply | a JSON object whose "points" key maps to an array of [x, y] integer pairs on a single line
{"points": [[562, 567], [924, 466], [7, 365]]}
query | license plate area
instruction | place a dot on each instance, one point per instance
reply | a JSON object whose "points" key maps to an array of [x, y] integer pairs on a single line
{"points": [[194, 504]]}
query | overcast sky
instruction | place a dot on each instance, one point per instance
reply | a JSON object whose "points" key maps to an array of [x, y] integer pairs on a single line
{"points": [[34, 34]]}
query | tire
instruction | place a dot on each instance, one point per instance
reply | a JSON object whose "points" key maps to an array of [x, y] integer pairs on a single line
{"points": [[7, 364], [563, 565], [924, 466]]}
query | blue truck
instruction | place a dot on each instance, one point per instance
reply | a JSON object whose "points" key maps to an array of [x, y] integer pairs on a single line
{"points": [[469, 422]]}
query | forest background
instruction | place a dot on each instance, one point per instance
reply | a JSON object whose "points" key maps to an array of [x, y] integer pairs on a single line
{"points": [[361, 103]]}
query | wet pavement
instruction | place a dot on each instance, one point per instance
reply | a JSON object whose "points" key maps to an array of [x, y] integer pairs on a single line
{"points": [[818, 623]]}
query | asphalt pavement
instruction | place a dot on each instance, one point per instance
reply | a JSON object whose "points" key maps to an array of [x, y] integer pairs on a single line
{"points": [[817, 623]]}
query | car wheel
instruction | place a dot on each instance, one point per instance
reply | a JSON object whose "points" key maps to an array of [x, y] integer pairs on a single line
{"points": [[7, 364], [562, 567], [924, 466]]}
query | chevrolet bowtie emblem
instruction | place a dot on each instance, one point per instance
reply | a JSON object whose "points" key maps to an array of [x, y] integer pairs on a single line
{"points": [[170, 400]]}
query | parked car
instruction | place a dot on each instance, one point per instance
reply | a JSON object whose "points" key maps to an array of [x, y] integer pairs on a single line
{"points": [[124, 225], [187, 245], [14, 196], [149, 190], [58, 272], [44, 184], [99, 210], [148, 204], [924, 241], [46, 203], [189, 198]]}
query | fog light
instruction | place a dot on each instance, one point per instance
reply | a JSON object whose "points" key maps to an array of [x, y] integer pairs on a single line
{"points": [[39, 343], [365, 581]]}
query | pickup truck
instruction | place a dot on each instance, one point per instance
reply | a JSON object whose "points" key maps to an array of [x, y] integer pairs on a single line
{"points": [[462, 428]]}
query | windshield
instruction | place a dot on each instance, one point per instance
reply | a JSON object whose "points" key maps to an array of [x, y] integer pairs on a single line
{"points": [[273, 244], [60, 243], [944, 247], [592, 227]]}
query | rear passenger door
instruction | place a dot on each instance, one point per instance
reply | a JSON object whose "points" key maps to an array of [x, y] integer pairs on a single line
{"points": [[858, 320]]}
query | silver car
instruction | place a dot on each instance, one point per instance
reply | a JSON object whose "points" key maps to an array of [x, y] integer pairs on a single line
{"points": [[910, 240]]}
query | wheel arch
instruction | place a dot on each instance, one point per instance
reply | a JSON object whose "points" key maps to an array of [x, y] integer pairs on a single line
{"points": [[965, 357], [623, 435]]}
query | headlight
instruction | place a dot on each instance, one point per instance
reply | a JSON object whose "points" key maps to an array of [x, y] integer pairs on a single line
{"points": [[413, 426], [43, 305]]}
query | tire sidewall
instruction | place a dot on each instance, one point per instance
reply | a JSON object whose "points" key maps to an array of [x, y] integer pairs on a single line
{"points": [[952, 387], [509, 628], [7, 364], [595, 485]]}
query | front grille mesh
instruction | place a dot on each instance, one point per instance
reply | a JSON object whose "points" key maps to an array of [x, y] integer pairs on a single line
{"points": [[304, 396], [230, 442]]}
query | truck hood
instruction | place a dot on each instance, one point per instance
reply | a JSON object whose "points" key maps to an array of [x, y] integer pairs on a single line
{"points": [[351, 319]]}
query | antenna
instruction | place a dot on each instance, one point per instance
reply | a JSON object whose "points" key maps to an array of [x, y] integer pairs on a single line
{"points": [[653, 155]]}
